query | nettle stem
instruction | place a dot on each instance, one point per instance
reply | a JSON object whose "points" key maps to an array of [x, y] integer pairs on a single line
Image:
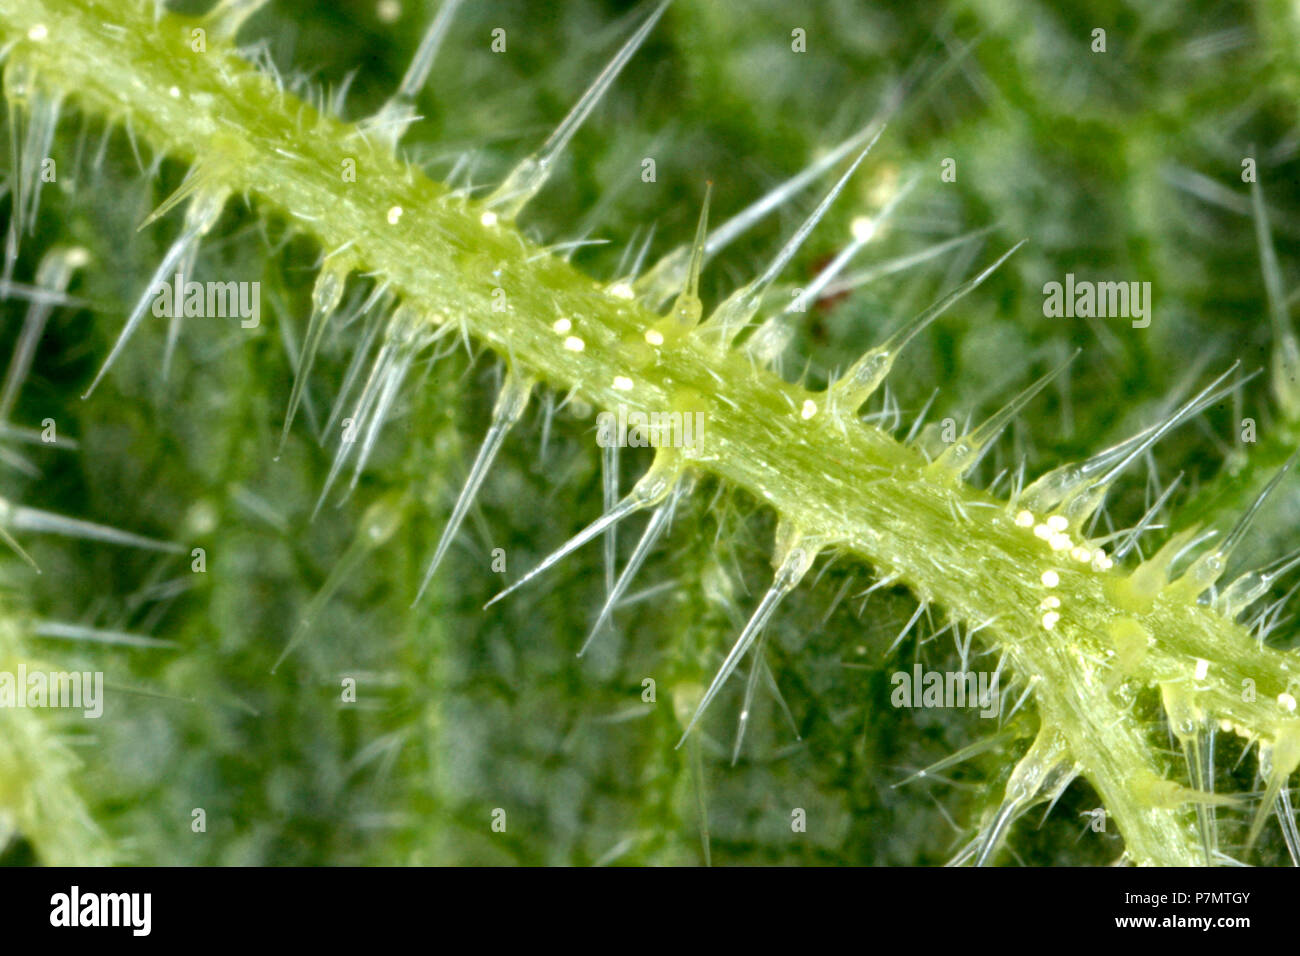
{"points": [[835, 481]]}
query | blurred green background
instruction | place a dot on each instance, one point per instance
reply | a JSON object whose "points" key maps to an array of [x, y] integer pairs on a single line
{"points": [[1123, 165]]}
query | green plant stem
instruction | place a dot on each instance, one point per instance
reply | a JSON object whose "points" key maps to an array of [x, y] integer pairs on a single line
{"points": [[833, 478]]}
